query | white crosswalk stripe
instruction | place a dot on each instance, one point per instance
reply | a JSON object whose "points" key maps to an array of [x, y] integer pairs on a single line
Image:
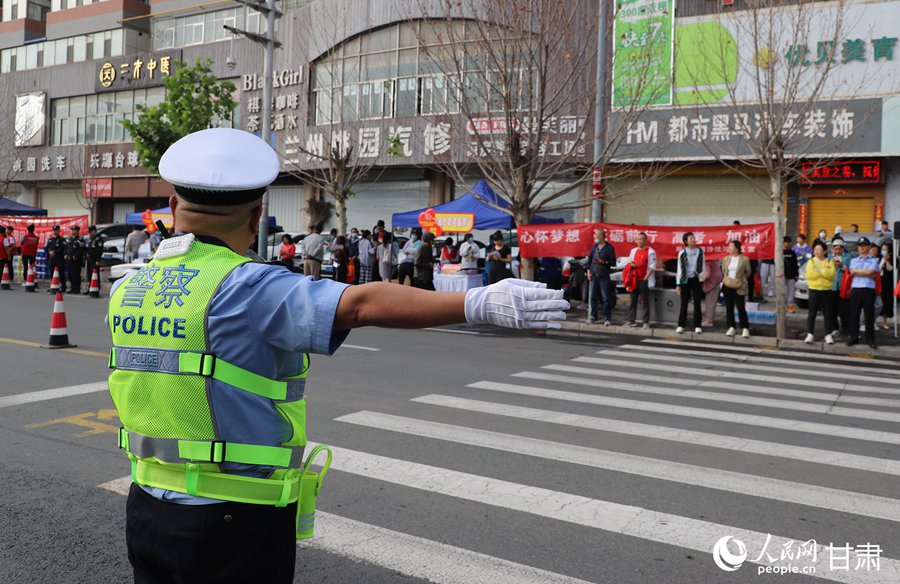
{"points": [[811, 360], [851, 438], [827, 457], [799, 370], [688, 412], [729, 349], [705, 395]]}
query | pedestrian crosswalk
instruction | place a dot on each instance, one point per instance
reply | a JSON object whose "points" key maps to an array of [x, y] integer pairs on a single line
{"points": [[784, 434]]}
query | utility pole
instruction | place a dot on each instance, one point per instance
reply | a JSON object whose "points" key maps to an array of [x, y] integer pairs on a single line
{"points": [[600, 112], [267, 8]]}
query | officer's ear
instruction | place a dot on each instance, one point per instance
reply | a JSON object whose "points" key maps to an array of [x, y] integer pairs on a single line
{"points": [[255, 214]]}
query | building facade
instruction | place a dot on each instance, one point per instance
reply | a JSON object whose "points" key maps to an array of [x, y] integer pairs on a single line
{"points": [[364, 74], [362, 79]]}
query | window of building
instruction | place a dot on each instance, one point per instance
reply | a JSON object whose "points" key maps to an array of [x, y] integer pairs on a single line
{"points": [[98, 45], [393, 72], [97, 118], [205, 27]]}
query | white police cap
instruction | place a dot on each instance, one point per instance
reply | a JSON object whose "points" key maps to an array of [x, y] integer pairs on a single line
{"points": [[219, 166]]}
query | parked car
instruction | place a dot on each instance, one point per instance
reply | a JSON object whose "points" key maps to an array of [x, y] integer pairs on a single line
{"points": [[114, 247]]}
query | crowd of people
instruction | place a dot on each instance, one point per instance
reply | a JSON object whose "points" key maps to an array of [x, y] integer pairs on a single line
{"points": [[377, 255], [74, 256], [845, 289]]}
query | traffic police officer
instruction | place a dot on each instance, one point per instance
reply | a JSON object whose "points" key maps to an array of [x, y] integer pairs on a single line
{"points": [[93, 251], [75, 250], [55, 248], [209, 366]]}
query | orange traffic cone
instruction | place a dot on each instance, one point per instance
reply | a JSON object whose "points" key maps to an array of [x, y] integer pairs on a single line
{"points": [[4, 280], [29, 280], [54, 282], [59, 333], [94, 291]]}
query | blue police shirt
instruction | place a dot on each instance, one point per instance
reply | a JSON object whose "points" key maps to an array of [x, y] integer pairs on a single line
{"points": [[259, 312], [864, 263]]}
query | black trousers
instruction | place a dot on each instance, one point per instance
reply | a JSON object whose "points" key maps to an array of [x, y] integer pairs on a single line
{"points": [[820, 299], [205, 544], [74, 269], [405, 270], [693, 290], [424, 284], [643, 292], [732, 299], [862, 299], [840, 309]]}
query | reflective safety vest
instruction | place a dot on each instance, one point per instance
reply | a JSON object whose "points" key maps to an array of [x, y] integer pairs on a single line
{"points": [[161, 379]]}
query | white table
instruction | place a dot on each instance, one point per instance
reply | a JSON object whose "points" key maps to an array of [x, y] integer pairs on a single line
{"points": [[456, 282]]}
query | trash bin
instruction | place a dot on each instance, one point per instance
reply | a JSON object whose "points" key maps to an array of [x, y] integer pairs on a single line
{"points": [[664, 305]]}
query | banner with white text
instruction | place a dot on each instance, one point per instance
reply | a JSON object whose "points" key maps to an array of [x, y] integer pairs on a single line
{"points": [[576, 239]]}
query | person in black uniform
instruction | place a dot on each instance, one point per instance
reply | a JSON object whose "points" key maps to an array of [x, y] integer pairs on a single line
{"points": [[56, 256], [75, 251], [94, 251]]}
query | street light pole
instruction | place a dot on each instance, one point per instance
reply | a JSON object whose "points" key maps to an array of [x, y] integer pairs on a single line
{"points": [[600, 109], [268, 70], [267, 8]]}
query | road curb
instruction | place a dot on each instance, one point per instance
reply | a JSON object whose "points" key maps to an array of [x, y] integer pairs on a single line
{"points": [[583, 330]]}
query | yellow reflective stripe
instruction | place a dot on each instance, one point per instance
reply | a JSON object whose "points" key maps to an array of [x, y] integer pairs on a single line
{"points": [[217, 485], [207, 365]]}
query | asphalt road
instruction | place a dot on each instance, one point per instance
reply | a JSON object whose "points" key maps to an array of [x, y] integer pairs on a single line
{"points": [[467, 456]]}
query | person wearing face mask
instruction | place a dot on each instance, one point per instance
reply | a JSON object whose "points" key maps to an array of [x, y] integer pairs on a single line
{"points": [[886, 267], [468, 253], [822, 238], [407, 259], [499, 259], [601, 260]]}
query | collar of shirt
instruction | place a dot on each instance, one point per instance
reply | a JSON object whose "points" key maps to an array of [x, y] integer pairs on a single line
{"points": [[204, 239]]}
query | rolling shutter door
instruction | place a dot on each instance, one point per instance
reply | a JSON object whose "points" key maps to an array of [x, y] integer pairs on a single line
{"points": [[61, 202], [828, 213], [687, 200], [285, 204]]}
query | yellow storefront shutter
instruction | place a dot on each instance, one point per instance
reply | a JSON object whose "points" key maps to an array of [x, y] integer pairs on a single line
{"points": [[829, 213]]}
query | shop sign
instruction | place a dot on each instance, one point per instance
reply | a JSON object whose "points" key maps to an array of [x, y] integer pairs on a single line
{"points": [[851, 50], [112, 160], [38, 165], [97, 188], [842, 172], [283, 78], [135, 71], [730, 132]]}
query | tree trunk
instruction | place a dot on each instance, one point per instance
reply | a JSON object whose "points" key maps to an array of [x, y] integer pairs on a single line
{"points": [[527, 265], [776, 193], [340, 209]]}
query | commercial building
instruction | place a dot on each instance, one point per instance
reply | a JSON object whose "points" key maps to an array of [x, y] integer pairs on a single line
{"points": [[360, 73]]}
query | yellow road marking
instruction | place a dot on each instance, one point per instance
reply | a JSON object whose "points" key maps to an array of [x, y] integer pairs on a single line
{"points": [[38, 346], [94, 426], [861, 356]]}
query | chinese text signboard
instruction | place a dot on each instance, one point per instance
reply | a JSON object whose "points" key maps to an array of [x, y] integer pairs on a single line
{"points": [[642, 52], [576, 239], [135, 71], [112, 160], [702, 133], [850, 172]]}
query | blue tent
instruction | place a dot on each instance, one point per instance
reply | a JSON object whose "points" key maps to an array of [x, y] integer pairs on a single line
{"points": [[10, 207], [136, 218], [486, 217]]}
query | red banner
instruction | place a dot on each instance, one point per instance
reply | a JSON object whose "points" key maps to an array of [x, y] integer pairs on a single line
{"points": [[576, 239], [43, 226]]}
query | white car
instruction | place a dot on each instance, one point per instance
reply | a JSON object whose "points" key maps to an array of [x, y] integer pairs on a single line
{"points": [[121, 270]]}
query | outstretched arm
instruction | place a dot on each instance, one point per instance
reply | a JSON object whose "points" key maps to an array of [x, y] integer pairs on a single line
{"points": [[511, 303]]}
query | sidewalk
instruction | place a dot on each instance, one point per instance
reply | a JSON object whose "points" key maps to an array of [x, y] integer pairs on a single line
{"points": [[762, 335]]}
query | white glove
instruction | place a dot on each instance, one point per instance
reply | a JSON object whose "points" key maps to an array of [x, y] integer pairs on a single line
{"points": [[516, 304]]}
